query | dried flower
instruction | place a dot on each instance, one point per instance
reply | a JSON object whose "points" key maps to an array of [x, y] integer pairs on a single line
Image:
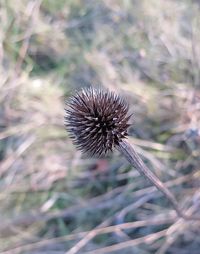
{"points": [[97, 120]]}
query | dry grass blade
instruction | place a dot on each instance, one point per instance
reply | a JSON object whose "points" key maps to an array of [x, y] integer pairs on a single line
{"points": [[97, 231], [141, 240]]}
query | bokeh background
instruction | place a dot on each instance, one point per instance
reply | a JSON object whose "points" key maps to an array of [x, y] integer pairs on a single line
{"points": [[54, 200]]}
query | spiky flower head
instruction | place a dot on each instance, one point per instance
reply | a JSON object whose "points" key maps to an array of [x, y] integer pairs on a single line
{"points": [[97, 120]]}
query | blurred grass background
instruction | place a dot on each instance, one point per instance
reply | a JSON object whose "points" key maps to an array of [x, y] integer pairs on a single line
{"points": [[53, 199]]}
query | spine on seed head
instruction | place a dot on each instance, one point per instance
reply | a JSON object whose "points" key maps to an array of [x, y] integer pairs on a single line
{"points": [[97, 120]]}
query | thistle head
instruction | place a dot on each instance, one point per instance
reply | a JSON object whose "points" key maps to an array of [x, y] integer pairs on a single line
{"points": [[96, 120]]}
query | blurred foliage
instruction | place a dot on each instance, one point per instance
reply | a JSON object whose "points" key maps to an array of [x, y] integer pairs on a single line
{"points": [[55, 200]]}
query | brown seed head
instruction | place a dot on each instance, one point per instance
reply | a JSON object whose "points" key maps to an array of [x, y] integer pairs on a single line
{"points": [[96, 120]]}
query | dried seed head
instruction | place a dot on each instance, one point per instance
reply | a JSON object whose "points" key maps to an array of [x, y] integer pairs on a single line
{"points": [[96, 120]]}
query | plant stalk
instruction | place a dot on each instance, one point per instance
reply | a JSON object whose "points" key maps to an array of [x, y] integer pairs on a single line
{"points": [[131, 155]]}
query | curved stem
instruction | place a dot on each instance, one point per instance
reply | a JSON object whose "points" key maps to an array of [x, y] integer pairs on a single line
{"points": [[131, 155]]}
